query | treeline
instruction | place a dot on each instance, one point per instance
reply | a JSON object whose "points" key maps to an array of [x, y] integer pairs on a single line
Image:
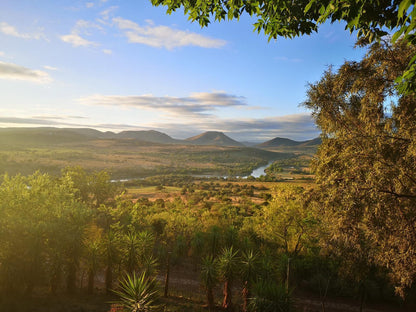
{"points": [[61, 233]]}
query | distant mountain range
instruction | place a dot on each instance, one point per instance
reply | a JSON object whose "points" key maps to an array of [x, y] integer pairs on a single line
{"points": [[49, 135]]}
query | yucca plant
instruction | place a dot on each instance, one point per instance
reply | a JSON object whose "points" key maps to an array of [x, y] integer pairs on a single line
{"points": [[249, 269], [228, 263], [209, 278], [138, 293]]}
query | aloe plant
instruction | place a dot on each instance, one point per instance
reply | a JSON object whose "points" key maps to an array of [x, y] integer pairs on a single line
{"points": [[209, 278], [138, 293]]}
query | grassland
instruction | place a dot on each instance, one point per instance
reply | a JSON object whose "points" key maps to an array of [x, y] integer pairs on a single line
{"points": [[128, 158]]}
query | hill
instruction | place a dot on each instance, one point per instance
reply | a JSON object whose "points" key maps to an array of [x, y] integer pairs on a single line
{"points": [[46, 136], [283, 142], [288, 145], [279, 142], [148, 136], [213, 138]]}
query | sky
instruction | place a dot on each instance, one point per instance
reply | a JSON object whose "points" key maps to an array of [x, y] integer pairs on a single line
{"points": [[116, 65]]}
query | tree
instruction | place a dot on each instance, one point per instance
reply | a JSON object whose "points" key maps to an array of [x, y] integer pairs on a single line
{"points": [[366, 164], [111, 244], [287, 18], [209, 278], [249, 268], [227, 268], [287, 221]]}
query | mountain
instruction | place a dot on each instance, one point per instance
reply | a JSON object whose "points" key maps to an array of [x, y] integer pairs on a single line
{"points": [[279, 142], [287, 143], [148, 136], [311, 143], [213, 138]]}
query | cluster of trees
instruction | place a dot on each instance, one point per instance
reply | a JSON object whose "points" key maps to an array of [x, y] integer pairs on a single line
{"points": [[365, 166], [63, 232]]}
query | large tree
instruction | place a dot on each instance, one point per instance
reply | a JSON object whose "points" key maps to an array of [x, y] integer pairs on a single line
{"points": [[366, 164], [371, 19]]}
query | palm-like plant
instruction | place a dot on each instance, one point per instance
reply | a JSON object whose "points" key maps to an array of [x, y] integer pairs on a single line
{"points": [[249, 269], [138, 293], [209, 278], [131, 251], [228, 266], [111, 245]]}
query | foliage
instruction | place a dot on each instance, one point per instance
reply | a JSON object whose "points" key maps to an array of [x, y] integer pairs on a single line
{"points": [[270, 297], [40, 223], [209, 278], [228, 262], [138, 293], [365, 166], [289, 18], [286, 221]]}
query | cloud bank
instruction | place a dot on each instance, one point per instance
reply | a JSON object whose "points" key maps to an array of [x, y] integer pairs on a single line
{"points": [[296, 127], [12, 71], [195, 104], [163, 36]]}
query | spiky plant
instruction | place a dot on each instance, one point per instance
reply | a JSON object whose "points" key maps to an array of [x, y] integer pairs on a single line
{"points": [[228, 263], [138, 293], [249, 269], [209, 278]]}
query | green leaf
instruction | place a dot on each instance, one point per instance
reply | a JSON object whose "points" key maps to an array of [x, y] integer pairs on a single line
{"points": [[308, 6], [403, 7]]}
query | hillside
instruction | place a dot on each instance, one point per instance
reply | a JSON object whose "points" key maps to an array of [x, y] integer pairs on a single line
{"points": [[287, 145], [213, 138], [283, 142], [148, 136]]}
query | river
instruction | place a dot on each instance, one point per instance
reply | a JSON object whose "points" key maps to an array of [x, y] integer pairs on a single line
{"points": [[256, 174]]}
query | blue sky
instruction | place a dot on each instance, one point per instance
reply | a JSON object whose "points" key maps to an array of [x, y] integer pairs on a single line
{"points": [[126, 65]]}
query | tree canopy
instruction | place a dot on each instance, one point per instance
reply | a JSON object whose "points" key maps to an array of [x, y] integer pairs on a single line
{"points": [[371, 19], [366, 164]]}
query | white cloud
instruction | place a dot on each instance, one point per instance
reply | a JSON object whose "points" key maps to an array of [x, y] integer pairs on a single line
{"points": [[81, 28], [107, 51], [16, 72], [105, 14], [164, 36], [50, 67], [89, 4], [76, 40], [196, 104], [2, 54], [10, 30]]}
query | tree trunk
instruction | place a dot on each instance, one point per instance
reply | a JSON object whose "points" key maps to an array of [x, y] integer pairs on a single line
{"points": [[108, 279], [210, 300], [227, 302], [246, 296], [90, 286], [363, 293], [54, 283], [71, 278], [166, 292]]}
